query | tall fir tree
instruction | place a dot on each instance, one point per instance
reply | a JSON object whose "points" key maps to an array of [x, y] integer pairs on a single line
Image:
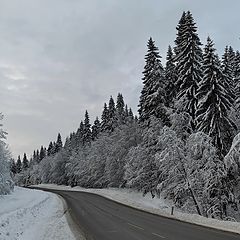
{"points": [[50, 149], [180, 32], [232, 59], [42, 153], [67, 144], [236, 64], [237, 76], [120, 109], [130, 115], [58, 145], [104, 118], [237, 81], [152, 97], [170, 75], [112, 119], [72, 141], [77, 140], [188, 66], [87, 134], [31, 162], [25, 162], [96, 128], [126, 111], [37, 160], [214, 102], [13, 167], [34, 157], [18, 165], [228, 71]]}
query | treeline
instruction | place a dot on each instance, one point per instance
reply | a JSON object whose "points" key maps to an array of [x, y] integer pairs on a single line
{"points": [[177, 147], [37, 156]]}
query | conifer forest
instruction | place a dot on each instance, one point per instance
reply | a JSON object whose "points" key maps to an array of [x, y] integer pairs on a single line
{"points": [[183, 144]]}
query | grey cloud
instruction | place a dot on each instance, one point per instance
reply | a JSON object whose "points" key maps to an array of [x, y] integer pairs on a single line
{"points": [[60, 57]]}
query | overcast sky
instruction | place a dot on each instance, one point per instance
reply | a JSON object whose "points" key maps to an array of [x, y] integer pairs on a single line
{"points": [[61, 57]]}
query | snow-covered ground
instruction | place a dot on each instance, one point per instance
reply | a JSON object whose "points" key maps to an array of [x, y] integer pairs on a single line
{"points": [[28, 214], [156, 206]]}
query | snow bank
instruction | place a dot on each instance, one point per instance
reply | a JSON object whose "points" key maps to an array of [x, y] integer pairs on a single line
{"points": [[156, 206], [28, 214]]}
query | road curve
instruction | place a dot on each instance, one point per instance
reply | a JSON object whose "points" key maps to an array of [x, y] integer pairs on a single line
{"points": [[102, 219]]}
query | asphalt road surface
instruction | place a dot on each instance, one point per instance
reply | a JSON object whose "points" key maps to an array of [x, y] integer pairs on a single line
{"points": [[103, 219]]}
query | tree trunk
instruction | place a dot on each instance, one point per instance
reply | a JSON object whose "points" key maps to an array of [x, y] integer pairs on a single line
{"points": [[194, 200]]}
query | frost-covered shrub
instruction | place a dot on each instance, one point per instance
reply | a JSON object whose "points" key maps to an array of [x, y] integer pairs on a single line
{"points": [[136, 161], [180, 123], [206, 175], [141, 171], [232, 159], [191, 173], [170, 160], [6, 183], [232, 162]]}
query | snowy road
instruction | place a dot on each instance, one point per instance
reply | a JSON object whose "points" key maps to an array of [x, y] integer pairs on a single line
{"points": [[100, 218]]}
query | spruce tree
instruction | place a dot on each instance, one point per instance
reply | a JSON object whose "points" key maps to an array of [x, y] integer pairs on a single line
{"points": [[67, 144], [25, 162], [188, 66], [237, 78], [72, 141], [77, 139], [42, 153], [96, 128], [126, 111], [152, 97], [87, 134], [37, 156], [136, 118], [30, 162], [34, 156], [232, 59], [59, 144], [112, 120], [13, 167], [228, 71], [170, 76], [104, 118], [180, 32], [231, 54], [19, 165], [214, 102], [236, 64], [49, 150], [120, 109], [237, 81], [130, 115]]}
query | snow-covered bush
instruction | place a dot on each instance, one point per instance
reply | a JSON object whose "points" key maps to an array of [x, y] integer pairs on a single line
{"points": [[140, 170], [191, 174], [170, 161], [6, 184], [232, 162], [232, 159], [124, 137], [206, 175]]}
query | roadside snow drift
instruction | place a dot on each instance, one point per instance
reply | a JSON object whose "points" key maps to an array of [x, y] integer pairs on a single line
{"points": [[28, 214], [155, 206]]}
